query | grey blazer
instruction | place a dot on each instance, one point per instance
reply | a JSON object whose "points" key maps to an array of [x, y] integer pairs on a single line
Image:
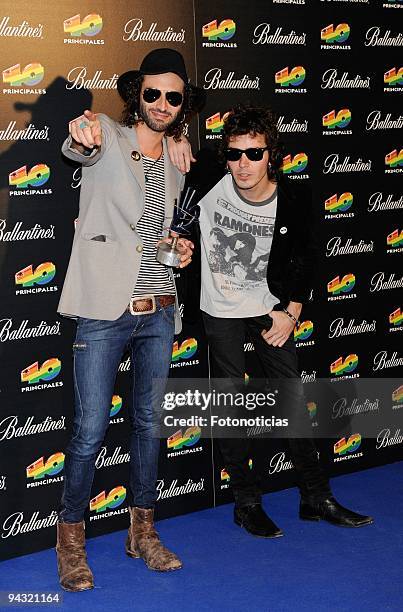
{"points": [[101, 275]]}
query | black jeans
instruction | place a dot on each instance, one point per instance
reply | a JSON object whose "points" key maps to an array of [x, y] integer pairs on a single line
{"points": [[226, 338]]}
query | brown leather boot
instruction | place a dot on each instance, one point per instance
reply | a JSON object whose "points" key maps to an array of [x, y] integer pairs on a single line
{"points": [[75, 575], [143, 541]]}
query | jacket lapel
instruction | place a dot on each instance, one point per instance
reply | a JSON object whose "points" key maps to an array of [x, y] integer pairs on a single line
{"points": [[128, 143]]}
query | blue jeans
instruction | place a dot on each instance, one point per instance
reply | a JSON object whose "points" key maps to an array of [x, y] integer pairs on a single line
{"points": [[98, 349]]}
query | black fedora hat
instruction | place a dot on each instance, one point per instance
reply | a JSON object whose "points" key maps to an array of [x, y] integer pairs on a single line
{"points": [[160, 61]]}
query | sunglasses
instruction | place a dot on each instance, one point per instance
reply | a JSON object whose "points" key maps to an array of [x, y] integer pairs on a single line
{"points": [[174, 98], [253, 154]]}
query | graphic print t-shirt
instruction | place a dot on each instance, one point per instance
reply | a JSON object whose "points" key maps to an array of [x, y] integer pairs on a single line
{"points": [[236, 239]]}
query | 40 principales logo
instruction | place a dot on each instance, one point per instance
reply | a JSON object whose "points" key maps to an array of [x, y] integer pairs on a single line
{"points": [[334, 37], [218, 34], [336, 206], [394, 162], [30, 280], [346, 448], [290, 80], [20, 180], [336, 122], [23, 80], [344, 368], [89, 26], [102, 502], [393, 79], [294, 165]]}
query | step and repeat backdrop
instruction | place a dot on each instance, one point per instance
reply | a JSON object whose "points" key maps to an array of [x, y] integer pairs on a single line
{"points": [[332, 70]]}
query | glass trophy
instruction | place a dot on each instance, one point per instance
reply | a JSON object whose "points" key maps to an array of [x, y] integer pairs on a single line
{"points": [[185, 214]]}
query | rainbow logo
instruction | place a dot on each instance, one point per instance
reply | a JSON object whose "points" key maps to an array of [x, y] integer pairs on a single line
{"points": [[294, 77], [335, 203], [394, 158], [222, 31], [333, 121], [344, 446], [292, 165], [397, 395], [345, 285], [393, 76], [31, 75], [338, 34], [40, 468], [226, 476], [91, 25], [312, 409], [395, 238], [48, 370], [37, 176], [396, 317], [43, 274], [116, 405], [185, 351], [115, 498], [189, 438], [347, 365], [215, 123], [303, 330]]}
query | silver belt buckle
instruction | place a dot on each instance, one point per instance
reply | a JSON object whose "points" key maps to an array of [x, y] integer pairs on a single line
{"points": [[143, 297]]}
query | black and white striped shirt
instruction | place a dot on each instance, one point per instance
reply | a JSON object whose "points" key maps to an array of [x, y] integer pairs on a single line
{"points": [[153, 276]]}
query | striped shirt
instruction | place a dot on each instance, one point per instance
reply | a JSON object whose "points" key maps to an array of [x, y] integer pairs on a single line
{"points": [[153, 276]]}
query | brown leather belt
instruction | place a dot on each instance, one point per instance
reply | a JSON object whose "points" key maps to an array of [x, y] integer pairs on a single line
{"points": [[147, 304]]}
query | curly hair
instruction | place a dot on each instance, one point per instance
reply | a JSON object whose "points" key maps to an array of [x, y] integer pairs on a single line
{"points": [[191, 105], [248, 119]]}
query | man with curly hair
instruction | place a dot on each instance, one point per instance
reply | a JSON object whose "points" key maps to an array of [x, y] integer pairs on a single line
{"points": [[123, 297], [245, 194]]}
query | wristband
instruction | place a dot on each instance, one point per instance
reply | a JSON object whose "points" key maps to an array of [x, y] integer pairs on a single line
{"points": [[291, 316]]}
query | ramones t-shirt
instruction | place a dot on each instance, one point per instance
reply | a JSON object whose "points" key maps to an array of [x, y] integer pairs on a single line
{"points": [[236, 237]]}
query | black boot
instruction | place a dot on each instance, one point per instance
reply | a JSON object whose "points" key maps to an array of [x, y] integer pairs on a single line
{"points": [[256, 522], [331, 511]]}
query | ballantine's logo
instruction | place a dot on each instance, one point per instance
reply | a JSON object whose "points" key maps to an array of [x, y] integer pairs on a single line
{"points": [[394, 160], [174, 490], [393, 79], [213, 80], [376, 202], [291, 126], [331, 165], [278, 464], [41, 468], [221, 32], [345, 285], [302, 332], [335, 247], [395, 240], [374, 39], [117, 458], [294, 77], [91, 25], [37, 176], [77, 79], [24, 331], [330, 80], [293, 166], [133, 30], [385, 438], [23, 30], [344, 446], [381, 361], [335, 37], [337, 329], [375, 121], [337, 206], [344, 366], [42, 275], [189, 438], [378, 282], [116, 405], [34, 233], [215, 124], [335, 123], [31, 75], [27, 133], [396, 317], [9, 429], [13, 525], [115, 498], [262, 36]]}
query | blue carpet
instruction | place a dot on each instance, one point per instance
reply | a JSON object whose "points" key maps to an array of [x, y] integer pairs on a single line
{"points": [[314, 567]]}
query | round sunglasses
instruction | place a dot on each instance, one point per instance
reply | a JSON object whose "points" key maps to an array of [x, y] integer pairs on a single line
{"points": [[253, 154], [174, 98]]}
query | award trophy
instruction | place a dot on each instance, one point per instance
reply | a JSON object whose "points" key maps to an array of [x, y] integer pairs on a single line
{"points": [[185, 214]]}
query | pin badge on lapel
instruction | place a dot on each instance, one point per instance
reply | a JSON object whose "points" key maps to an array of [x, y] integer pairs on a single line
{"points": [[135, 155], [283, 230]]}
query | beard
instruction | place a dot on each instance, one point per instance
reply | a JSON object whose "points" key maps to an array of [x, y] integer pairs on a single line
{"points": [[153, 124]]}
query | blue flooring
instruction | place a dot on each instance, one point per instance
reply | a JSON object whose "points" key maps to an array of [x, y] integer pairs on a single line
{"points": [[315, 567]]}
